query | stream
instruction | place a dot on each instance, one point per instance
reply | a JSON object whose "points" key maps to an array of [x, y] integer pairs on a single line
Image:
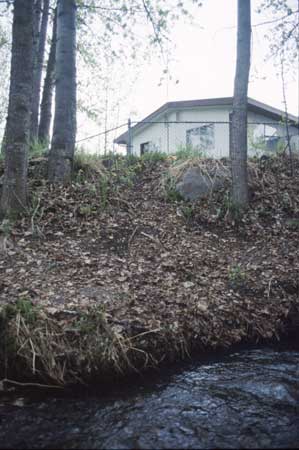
{"points": [[245, 399]]}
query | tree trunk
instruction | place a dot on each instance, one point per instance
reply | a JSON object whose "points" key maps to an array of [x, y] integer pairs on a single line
{"points": [[64, 132], [238, 150], [47, 98], [37, 76], [14, 193], [37, 9], [3, 141]]}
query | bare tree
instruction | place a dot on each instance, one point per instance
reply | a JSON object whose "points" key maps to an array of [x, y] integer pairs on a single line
{"points": [[37, 13], [286, 118], [283, 32], [238, 150], [14, 193], [37, 76], [64, 131], [48, 89]]}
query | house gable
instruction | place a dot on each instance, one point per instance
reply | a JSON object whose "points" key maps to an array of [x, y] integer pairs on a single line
{"points": [[203, 104]]}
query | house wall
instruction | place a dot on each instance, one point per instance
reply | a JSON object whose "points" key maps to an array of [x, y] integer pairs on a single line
{"points": [[221, 131], [155, 134], [256, 133], [295, 142], [169, 138]]}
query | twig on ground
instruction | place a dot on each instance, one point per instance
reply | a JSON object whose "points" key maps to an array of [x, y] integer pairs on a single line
{"points": [[132, 237], [269, 287], [18, 383], [144, 333], [152, 238], [121, 200]]}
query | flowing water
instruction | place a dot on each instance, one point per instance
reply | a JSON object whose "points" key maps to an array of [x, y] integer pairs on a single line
{"points": [[248, 399]]}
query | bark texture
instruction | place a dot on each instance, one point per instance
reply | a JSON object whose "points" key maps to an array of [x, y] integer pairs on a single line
{"points": [[64, 131], [238, 150], [14, 193], [38, 69], [48, 90], [37, 10]]}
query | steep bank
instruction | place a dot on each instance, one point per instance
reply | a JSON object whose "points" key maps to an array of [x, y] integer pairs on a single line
{"points": [[111, 275]]}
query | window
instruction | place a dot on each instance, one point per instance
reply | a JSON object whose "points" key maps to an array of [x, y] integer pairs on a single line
{"points": [[201, 138], [144, 148], [149, 146], [262, 138]]}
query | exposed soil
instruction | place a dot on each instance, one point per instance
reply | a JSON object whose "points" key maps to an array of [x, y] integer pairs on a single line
{"points": [[168, 276]]}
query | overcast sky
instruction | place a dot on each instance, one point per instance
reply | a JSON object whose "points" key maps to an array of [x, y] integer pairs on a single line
{"points": [[205, 63], [201, 65]]}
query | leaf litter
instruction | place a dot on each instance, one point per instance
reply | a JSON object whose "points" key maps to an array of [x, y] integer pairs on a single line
{"points": [[126, 279]]}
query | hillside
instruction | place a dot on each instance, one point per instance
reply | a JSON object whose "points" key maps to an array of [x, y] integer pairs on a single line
{"points": [[115, 273]]}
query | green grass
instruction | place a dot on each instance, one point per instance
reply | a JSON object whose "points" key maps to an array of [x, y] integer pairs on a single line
{"points": [[38, 149], [23, 306], [293, 224], [171, 193], [236, 275], [154, 157], [82, 158], [185, 152]]}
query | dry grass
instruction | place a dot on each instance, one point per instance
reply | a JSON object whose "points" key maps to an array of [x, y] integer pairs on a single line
{"points": [[69, 350], [123, 288]]}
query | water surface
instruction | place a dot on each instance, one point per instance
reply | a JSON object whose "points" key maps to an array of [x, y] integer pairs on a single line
{"points": [[248, 399]]}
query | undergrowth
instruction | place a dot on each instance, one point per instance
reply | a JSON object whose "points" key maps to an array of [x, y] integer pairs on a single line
{"points": [[185, 152], [68, 349], [38, 148]]}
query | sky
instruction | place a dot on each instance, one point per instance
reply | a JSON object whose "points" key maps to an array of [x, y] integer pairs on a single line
{"points": [[203, 63]]}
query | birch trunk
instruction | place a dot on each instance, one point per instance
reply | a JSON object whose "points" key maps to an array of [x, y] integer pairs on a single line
{"points": [[14, 193], [37, 76], [238, 150], [64, 132], [48, 90], [37, 10]]}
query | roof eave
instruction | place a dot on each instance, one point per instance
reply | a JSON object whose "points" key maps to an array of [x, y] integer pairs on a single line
{"points": [[269, 111], [253, 105]]}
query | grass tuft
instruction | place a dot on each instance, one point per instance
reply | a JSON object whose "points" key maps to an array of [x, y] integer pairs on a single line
{"points": [[187, 152]]}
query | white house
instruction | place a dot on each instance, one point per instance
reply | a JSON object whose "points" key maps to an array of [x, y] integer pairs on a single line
{"points": [[205, 125]]}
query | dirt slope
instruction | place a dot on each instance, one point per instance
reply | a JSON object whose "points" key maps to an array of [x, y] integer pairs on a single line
{"points": [[166, 276]]}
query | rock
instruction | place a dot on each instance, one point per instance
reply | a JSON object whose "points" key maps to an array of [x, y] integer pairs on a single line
{"points": [[188, 284], [195, 185]]}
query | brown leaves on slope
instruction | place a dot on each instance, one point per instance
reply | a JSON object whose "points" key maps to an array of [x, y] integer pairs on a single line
{"points": [[166, 281]]}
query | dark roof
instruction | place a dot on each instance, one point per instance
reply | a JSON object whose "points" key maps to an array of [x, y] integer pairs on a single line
{"points": [[253, 105]]}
